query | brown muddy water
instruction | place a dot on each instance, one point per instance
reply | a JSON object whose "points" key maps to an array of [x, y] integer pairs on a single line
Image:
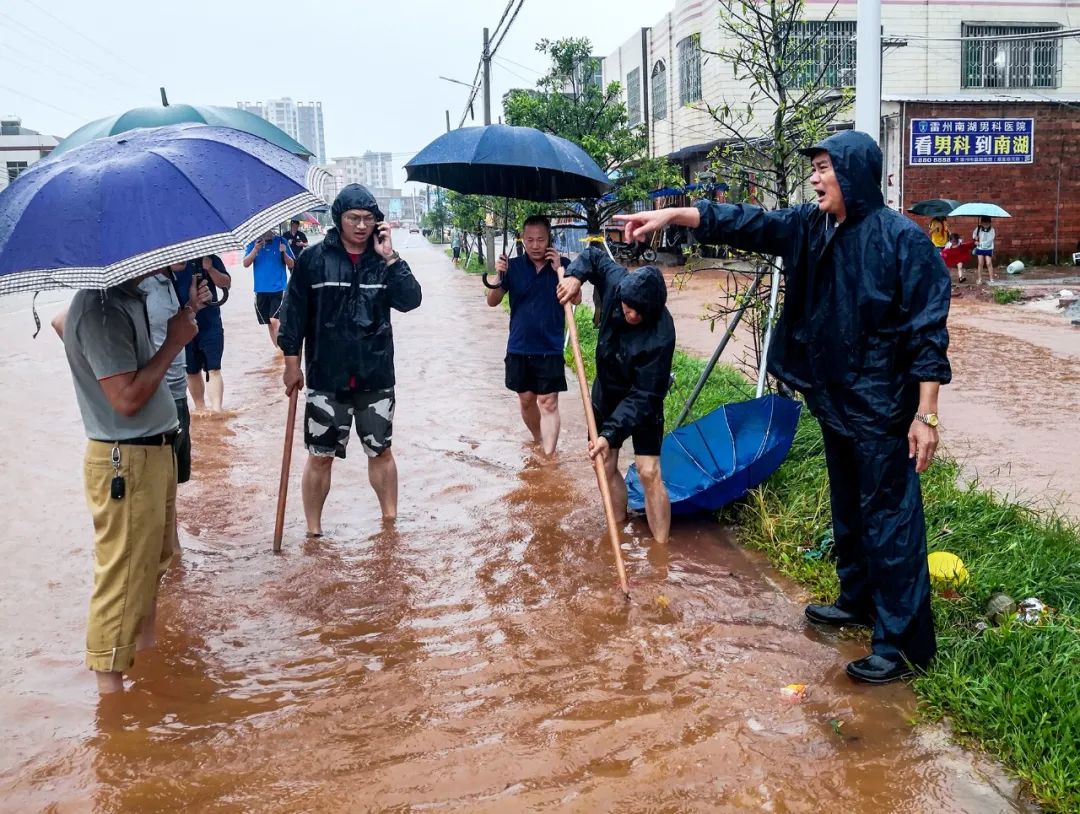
{"points": [[476, 657]]}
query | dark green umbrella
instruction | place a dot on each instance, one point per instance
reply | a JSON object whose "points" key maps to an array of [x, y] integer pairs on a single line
{"points": [[934, 208], [168, 114]]}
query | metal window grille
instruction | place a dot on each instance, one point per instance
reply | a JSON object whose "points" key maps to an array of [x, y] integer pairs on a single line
{"points": [[633, 97], [14, 168], [1031, 63], [823, 52], [659, 91], [689, 69]]}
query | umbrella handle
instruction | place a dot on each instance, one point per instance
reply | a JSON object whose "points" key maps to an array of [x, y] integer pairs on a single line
{"points": [[484, 279]]}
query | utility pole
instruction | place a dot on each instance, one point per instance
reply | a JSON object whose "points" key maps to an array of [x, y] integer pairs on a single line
{"points": [[868, 68], [447, 121], [489, 230]]}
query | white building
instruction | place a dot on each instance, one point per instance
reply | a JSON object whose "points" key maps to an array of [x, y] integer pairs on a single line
{"points": [[301, 120], [950, 48], [378, 169], [20, 147]]}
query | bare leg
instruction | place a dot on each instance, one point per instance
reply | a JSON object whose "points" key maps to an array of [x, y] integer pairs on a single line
{"points": [[531, 414], [657, 503], [274, 324], [315, 486], [616, 485], [382, 475], [549, 421], [195, 387], [216, 390], [990, 268], [109, 683]]}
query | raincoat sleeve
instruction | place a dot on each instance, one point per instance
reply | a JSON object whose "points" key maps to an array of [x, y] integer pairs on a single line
{"points": [[750, 228], [925, 292], [652, 375], [405, 294], [294, 308], [594, 266]]}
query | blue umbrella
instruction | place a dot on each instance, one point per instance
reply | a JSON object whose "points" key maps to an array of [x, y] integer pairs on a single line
{"points": [[119, 207], [710, 462], [511, 162]]}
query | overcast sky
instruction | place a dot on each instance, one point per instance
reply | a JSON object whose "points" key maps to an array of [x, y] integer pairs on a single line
{"points": [[374, 66]]}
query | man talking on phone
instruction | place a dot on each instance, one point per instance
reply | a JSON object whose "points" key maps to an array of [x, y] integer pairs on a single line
{"points": [[337, 310]]}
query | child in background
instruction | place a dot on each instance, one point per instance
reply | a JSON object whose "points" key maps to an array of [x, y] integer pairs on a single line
{"points": [[956, 254], [983, 236], [939, 232]]}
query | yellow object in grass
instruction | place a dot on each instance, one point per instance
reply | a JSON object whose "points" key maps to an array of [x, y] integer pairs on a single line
{"points": [[946, 570], [662, 602]]}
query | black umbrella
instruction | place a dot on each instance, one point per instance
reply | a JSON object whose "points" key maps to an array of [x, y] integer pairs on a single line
{"points": [[511, 162], [934, 207]]}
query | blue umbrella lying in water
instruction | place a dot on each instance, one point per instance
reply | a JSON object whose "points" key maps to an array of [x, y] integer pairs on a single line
{"points": [[710, 462], [119, 207]]}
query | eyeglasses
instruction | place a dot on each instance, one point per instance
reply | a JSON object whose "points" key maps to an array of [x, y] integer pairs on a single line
{"points": [[359, 220]]}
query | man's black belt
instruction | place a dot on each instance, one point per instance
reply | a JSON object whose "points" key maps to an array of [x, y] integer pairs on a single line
{"points": [[160, 439]]}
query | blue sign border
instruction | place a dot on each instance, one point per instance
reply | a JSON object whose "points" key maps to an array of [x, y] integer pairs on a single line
{"points": [[953, 160]]}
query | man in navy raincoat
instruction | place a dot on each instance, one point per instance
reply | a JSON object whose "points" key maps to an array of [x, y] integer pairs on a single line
{"points": [[863, 338]]}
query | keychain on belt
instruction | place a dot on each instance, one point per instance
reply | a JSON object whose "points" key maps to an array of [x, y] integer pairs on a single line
{"points": [[117, 489]]}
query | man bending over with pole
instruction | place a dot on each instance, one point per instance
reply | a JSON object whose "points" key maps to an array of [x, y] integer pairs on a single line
{"points": [[534, 351], [863, 338], [634, 350]]}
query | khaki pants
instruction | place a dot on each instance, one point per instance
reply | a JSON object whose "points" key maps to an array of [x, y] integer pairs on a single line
{"points": [[133, 546]]}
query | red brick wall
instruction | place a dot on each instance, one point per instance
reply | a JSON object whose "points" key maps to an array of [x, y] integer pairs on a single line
{"points": [[1029, 192]]}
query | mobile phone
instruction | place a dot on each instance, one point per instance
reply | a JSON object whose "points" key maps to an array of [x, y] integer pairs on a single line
{"points": [[378, 234]]}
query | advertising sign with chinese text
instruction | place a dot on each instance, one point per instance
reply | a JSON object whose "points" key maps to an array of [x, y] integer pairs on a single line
{"points": [[972, 141]]}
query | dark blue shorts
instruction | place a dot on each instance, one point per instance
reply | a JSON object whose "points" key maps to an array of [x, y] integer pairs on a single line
{"points": [[204, 352]]}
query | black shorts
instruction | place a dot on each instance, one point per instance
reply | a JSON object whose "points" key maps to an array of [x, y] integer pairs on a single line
{"points": [[328, 417], [182, 442], [540, 374], [204, 352], [457, 252], [647, 436], [267, 305]]}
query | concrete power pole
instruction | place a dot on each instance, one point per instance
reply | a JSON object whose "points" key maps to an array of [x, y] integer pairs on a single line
{"points": [[868, 69], [489, 231]]}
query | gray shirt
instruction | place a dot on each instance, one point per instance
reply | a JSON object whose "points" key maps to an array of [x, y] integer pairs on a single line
{"points": [[161, 304], [107, 333]]}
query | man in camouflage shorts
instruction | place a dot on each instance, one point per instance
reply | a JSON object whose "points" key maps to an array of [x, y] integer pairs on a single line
{"points": [[328, 420]]}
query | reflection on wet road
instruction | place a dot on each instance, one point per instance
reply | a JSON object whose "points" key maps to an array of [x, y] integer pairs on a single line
{"points": [[476, 657]]}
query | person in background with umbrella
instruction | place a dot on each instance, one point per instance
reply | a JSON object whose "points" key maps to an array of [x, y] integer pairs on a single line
{"points": [[535, 369], [203, 355], [130, 467], [273, 260], [634, 351], [984, 236], [337, 310], [939, 232], [297, 239], [863, 337]]}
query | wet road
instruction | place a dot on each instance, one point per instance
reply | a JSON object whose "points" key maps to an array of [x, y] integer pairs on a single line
{"points": [[1009, 415], [476, 657]]}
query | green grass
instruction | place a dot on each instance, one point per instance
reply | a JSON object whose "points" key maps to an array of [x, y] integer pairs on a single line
{"points": [[1003, 296], [1013, 690], [474, 266]]}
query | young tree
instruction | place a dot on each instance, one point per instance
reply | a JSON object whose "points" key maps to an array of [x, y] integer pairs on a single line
{"points": [[571, 103], [796, 90]]}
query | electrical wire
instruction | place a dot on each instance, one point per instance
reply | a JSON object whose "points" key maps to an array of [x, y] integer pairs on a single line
{"points": [[93, 42], [40, 101], [507, 29], [506, 11]]}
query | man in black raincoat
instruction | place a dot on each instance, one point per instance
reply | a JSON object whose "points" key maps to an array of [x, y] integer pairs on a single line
{"points": [[337, 306], [863, 338], [634, 348]]}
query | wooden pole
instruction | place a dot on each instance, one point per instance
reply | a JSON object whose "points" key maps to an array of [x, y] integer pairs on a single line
{"points": [[598, 464], [286, 462]]}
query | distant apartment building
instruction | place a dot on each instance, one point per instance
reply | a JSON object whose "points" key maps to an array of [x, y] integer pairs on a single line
{"points": [[378, 169], [20, 147], [301, 120], [1003, 72]]}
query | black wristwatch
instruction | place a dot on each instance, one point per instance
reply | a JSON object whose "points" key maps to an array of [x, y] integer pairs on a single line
{"points": [[393, 258]]}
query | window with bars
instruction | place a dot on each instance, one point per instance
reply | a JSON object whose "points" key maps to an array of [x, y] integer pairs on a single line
{"points": [[633, 97], [823, 53], [658, 88], [689, 50], [1010, 63], [14, 168]]}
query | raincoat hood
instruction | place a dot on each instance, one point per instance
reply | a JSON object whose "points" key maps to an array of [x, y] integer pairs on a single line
{"points": [[354, 196], [644, 290], [856, 160]]}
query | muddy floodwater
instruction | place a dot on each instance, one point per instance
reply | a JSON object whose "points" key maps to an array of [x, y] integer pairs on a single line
{"points": [[475, 657]]}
